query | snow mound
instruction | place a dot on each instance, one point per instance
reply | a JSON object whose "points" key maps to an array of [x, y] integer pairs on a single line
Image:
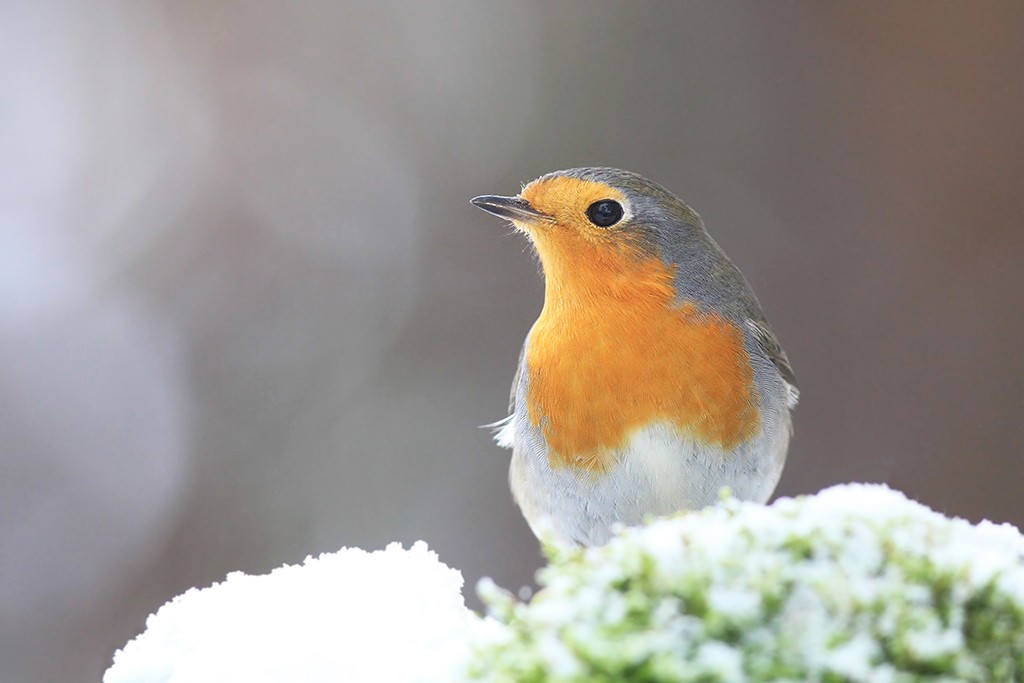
{"points": [[391, 615]]}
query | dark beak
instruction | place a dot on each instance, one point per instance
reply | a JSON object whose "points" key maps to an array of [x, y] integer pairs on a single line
{"points": [[512, 208]]}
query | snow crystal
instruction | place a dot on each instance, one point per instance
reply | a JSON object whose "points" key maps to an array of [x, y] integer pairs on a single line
{"points": [[734, 602], [724, 662]]}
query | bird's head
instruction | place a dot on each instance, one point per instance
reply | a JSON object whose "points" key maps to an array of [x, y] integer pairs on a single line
{"points": [[600, 218]]}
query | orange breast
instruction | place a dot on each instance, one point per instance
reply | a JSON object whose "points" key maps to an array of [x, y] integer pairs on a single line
{"points": [[610, 353]]}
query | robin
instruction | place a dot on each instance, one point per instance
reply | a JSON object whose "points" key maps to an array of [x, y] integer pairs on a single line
{"points": [[651, 378]]}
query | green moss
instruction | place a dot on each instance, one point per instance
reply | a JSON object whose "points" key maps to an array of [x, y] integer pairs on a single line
{"points": [[819, 589]]}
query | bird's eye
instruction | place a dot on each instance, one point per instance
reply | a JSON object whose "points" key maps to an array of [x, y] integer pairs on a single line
{"points": [[604, 213]]}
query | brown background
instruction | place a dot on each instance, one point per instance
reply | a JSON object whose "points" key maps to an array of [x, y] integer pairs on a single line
{"points": [[247, 313]]}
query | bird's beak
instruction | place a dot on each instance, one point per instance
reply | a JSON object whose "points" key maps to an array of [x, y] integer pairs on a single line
{"points": [[512, 208]]}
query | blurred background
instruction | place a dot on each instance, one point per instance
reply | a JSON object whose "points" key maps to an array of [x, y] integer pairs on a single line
{"points": [[247, 313]]}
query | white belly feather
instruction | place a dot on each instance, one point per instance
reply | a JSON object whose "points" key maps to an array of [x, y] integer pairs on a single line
{"points": [[657, 473]]}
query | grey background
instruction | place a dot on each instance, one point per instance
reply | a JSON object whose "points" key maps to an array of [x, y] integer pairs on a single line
{"points": [[247, 313]]}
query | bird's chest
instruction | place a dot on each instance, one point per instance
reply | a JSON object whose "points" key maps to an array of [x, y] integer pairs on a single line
{"points": [[598, 374]]}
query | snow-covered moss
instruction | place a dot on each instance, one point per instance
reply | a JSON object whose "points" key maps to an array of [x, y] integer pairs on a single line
{"points": [[856, 583]]}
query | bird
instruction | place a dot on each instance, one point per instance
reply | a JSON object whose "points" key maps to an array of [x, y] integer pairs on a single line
{"points": [[651, 379]]}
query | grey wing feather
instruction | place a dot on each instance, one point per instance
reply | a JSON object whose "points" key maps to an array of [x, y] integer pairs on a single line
{"points": [[770, 345]]}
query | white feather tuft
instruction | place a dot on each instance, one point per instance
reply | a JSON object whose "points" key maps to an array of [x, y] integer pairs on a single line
{"points": [[504, 431]]}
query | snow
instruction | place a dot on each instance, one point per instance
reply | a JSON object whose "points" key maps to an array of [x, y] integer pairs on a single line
{"points": [[393, 615], [723, 662], [733, 602], [854, 582]]}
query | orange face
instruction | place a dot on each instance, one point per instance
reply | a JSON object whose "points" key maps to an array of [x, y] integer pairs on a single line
{"points": [[566, 200], [612, 351]]}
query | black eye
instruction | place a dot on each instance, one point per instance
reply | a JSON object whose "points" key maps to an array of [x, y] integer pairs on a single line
{"points": [[604, 213]]}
